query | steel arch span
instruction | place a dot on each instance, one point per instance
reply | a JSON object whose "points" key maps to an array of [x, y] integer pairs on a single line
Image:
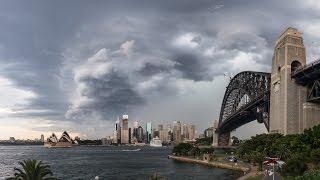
{"points": [[246, 99]]}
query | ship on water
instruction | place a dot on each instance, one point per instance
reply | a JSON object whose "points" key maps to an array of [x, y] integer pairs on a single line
{"points": [[156, 142], [64, 141]]}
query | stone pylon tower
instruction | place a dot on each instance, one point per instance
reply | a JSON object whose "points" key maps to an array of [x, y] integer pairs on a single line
{"points": [[287, 99]]}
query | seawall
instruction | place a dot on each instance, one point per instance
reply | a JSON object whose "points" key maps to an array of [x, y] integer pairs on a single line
{"points": [[215, 164]]}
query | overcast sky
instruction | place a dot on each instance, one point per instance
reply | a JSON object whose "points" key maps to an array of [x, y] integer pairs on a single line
{"points": [[77, 65]]}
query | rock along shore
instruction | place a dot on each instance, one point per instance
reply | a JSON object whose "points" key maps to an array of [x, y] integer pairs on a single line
{"points": [[211, 163]]}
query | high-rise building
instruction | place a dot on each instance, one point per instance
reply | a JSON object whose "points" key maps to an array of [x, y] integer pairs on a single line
{"points": [[140, 134], [191, 132], [42, 138], [160, 127], [177, 132], [130, 136], [209, 132], [117, 132], [185, 135], [135, 131], [155, 133], [124, 130], [162, 133], [149, 131], [169, 133], [135, 124]]}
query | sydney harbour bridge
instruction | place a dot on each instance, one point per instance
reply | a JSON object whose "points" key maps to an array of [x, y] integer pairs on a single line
{"points": [[287, 100]]}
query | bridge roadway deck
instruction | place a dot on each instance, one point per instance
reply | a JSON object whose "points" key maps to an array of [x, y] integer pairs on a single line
{"points": [[307, 74]]}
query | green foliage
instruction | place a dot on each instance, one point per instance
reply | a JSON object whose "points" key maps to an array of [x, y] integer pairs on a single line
{"points": [[315, 156], [294, 167], [32, 170], [186, 149], [258, 157], [284, 147], [235, 141], [207, 150], [204, 141], [183, 149], [296, 150], [310, 175]]}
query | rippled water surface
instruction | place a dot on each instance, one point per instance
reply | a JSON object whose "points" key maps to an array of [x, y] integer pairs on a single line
{"points": [[108, 163]]}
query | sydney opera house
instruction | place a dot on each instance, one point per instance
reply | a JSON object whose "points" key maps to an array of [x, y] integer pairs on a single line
{"points": [[64, 141]]}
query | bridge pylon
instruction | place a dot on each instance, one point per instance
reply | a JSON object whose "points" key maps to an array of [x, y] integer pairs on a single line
{"points": [[288, 99]]}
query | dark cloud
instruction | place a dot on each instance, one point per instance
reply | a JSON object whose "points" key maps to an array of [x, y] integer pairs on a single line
{"points": [[192, 67], [109, 95], [46, 48]]}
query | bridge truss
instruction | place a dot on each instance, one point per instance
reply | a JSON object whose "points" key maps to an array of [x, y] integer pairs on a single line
{"points": [[246, 99]]}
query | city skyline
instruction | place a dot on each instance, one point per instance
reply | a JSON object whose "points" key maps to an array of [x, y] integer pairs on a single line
{"points": [[78, 69]]}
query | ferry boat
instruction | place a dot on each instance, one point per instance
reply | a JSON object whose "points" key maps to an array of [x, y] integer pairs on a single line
{"points": [[156, 142], [64, 141]]}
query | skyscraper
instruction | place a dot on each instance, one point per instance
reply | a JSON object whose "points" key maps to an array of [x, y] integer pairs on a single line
{"points": [[177, 132], [135, 131], [162, 133], [135, 124], [125, 130], [185, 135], [149, 131], [117, 132], [140, 134], [191, 132], [42, 138]]}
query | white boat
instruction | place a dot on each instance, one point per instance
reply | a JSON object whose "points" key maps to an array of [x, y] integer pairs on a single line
{"points": [[156, 142]]}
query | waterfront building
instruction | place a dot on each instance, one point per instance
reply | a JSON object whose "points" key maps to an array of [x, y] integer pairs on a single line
{"points": [[135, 124], [169, 133], [124, 129], [160, 127], [191, 132], [117, 132], [163, 135], [107, 141], [64, 141], [209, 132], [155, 133], [177, 138], [140, 136], [42, 138], [184, 131], [149, 131], [135, 130], [129, 135], [12, 139]]}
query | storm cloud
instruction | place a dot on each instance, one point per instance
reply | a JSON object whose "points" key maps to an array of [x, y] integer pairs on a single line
{"points": [[76, 62]]}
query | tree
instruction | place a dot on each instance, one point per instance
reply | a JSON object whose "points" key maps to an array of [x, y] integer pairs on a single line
{"points": [[294, 167], [313, 174], [258, 157], [33, 170], [182, 149], [315, 156]]}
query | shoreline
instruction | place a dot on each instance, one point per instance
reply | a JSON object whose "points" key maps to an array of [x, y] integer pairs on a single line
{"points": [[211, 163]]}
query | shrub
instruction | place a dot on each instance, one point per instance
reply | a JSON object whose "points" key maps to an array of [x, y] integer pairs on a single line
{"points": [[294, 167]]}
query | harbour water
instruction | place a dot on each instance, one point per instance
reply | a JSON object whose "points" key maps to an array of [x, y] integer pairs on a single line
{"points": [[108, 163]]}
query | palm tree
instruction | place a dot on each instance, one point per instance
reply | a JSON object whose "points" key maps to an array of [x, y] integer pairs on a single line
{"points": [[33, 170]]}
